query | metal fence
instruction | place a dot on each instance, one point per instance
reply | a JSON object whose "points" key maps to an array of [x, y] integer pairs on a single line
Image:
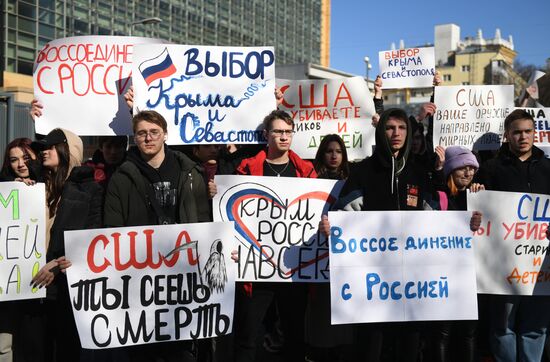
{"points": [[15, 121]]}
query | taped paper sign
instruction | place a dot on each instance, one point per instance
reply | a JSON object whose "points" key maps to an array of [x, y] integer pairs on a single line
{"points": [[148, 284], [511, 245], [389, 266], [407, 68], [330, 106], [206, 94], [22, 239], [276, 221], [471, 116], [81, 81]]}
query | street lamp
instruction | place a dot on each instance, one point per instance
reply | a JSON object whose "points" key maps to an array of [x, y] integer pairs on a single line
{"points": [[146, 21], [369, 67]]}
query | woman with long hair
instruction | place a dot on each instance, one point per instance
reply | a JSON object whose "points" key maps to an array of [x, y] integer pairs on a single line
{"points": [[20, 321], [331, 160], [73, 202], [20, 162], [327, 342]]}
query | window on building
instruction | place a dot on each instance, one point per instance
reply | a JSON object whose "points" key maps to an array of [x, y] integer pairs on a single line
{"points": [[446, 77], [465, 68]]}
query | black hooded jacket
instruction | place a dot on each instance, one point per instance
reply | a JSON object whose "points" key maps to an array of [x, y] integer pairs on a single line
{"points": [[385, 182], [506, 172], [127, 202]]}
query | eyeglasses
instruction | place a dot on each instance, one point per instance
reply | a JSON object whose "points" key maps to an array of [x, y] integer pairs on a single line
{"points": [[280, 132], [153, 134]]}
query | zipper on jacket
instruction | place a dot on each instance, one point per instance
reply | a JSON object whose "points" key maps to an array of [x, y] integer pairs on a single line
{"points": [[191, 180], [397, 191]]}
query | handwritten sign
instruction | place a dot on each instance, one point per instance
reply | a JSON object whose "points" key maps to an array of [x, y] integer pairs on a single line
{"points": [[511, 245], [542, 127], [81, 82], [22, 239], [407, 68], [320, 107], [149, 284], [472, 116], [388, 266], [207, 94], [276, 221]]}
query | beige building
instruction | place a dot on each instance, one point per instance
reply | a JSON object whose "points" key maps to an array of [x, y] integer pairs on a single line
{"points": [[475, 61], [470, 61]]}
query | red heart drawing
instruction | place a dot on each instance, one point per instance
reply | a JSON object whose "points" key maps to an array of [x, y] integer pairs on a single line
{"points": [[242, 195]]}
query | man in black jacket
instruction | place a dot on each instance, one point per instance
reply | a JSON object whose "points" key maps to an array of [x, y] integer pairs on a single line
{"points": [[519, 321], [390, 179], [156, 186]]}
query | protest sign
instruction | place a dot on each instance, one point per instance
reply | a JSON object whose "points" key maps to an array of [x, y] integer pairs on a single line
{"points": [[407, 68], [471, 116], [148, 284], [81, 82], [22, 239], [511, 245], [542, 127], [320, 107], [207, 94], [389, 266], [276, 221]]}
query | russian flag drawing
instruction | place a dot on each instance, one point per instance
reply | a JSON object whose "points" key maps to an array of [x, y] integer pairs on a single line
{"points": [[158, 67]]}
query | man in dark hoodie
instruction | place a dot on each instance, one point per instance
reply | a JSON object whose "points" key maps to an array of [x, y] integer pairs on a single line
{"points": [[519, 323], [156, 186], [390, 179]]}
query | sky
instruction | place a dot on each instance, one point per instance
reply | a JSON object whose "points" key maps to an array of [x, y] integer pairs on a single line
{"points": [[362, 28]]}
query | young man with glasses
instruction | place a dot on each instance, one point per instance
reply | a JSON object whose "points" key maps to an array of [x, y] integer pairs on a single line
{"points": [[278, 159], [254, 299], [156, 186]]}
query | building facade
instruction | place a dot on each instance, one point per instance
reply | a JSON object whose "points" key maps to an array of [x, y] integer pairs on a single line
{"points": [[468, 61], [475, 60], [298, 29]]}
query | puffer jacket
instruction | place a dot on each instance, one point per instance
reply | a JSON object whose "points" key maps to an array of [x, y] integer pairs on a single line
{"points": [[127, 204]]}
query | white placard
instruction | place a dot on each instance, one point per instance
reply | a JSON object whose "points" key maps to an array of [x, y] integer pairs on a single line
{"points": [[207, 94], [471, 116], [276, 221], [407, 68], [148, 284], [22, 239], [511, 245], [81, 82], [320, 107], [389, 266]]}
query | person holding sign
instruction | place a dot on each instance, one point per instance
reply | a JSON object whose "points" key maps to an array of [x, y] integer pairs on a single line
{"points": [[459, 169], [253, 300], [21, 321], [73, 203], [390, 179], [519, 323], [327, 342], [156, 186]]}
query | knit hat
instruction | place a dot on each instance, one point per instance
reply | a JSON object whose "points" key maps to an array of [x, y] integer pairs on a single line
{"points": [[457, 157]]}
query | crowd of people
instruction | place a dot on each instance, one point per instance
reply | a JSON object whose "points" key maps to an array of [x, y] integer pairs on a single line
{"points": [[150, 183]]}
